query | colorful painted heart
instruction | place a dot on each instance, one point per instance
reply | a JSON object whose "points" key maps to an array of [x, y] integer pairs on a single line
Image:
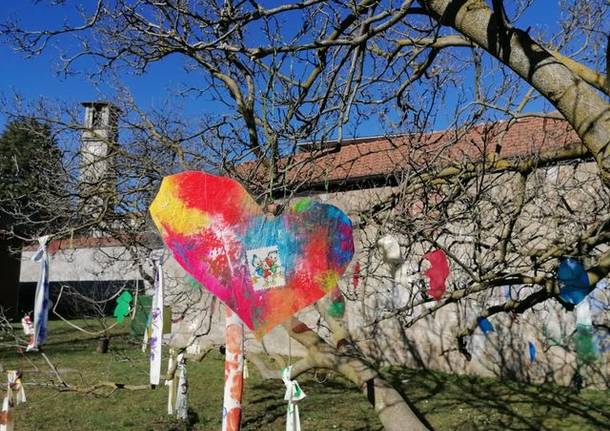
{"points": [[264, 268]]}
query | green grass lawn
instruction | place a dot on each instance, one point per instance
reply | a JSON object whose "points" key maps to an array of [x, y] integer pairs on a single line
{"points": [[449, 402]]}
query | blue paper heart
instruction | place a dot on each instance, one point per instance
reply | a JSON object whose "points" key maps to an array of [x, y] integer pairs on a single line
{"points": [[573, 281]]}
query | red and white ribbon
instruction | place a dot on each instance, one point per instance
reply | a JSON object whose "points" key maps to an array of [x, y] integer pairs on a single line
{"points": [[15, 395]]}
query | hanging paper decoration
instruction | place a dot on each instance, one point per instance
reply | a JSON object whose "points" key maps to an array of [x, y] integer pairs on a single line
{"points": [[264, 268], [584, 342], [234, 367], [583, 314], [41, 301], [156, 326], [532, 351], [28, 330], [573, 280], [182, 392], [485, 325], [336, 308], [293, 394], [437, 273], [15, 395], [390, 249], [123, 306]]}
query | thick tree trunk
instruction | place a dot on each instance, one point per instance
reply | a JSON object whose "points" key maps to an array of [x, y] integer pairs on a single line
{"points": [[581, 105], [393, 410]]}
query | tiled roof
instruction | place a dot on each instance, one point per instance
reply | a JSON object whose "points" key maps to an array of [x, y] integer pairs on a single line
{"points": [[384, 156]]}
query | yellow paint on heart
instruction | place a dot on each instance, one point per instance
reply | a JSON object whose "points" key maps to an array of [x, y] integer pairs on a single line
{"points": [[168, 210], [328, 280]]}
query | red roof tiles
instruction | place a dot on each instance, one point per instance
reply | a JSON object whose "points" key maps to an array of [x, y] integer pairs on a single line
{"points": [[383, 156]]}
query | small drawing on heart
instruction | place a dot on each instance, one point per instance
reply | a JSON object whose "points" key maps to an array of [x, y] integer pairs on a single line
{"points": [[266, 270]]}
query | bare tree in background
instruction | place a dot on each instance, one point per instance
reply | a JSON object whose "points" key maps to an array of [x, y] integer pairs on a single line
{"points": [[315, 71]]}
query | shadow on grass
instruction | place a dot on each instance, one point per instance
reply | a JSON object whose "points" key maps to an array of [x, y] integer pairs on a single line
{"points": [[471, 403], [330, 404]]}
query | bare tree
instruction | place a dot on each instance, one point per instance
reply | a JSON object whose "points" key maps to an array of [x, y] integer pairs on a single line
{"points": [[319, 81]]}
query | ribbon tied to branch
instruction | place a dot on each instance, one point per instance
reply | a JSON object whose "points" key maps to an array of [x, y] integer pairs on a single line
{"points": [[293, 394]]}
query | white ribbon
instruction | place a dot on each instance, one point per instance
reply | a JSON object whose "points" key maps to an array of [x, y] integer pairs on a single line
{"points": [[15, 390], [182, 394], [293, 394], [246, 372], [583, 313], [41, 302], [156, 326], [172, 384]]}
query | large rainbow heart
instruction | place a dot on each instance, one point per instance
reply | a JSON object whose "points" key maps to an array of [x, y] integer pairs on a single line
{"points": [[263, 268]]}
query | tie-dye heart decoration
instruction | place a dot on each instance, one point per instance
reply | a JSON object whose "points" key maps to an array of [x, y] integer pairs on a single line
{"points": [[263, 268]]}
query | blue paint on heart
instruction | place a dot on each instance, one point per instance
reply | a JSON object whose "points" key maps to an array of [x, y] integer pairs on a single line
{"points": [[573, 280], [291, 232], [339, 252], [274, 232]]}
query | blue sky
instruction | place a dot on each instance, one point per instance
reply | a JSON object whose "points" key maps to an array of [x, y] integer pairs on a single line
{"points": [[39, 76]]}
